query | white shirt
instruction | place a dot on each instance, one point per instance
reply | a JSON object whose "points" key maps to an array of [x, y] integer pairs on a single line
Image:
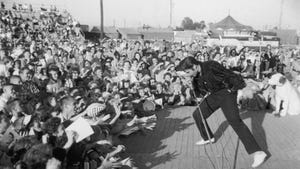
{"points": [[3, 102], [3, 70]]}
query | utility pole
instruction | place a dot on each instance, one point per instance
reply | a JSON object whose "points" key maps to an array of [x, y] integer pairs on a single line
{"points": [[101, 18], [171, 12], [281, 13]]}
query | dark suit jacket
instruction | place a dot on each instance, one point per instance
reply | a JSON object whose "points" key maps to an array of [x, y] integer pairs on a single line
{"points": [[214, 77]]}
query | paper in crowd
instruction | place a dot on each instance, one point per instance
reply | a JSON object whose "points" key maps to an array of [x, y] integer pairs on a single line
{"points": [[82, 129], [159, 101]]}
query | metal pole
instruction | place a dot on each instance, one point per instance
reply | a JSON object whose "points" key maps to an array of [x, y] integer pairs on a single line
{"points": [[101, 18], [281, 13], [171, 12], [205, 126]]}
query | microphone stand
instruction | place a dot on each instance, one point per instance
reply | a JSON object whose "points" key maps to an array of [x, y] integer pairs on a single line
{"points": [[203, 120]]}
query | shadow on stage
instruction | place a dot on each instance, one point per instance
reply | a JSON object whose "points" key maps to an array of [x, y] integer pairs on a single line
{"points": [[147, 148], [259, 133]]}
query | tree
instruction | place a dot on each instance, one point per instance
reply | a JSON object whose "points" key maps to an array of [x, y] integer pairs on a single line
{"points": [[179, 28], [197, 25], [187, 23], [202, 25]]}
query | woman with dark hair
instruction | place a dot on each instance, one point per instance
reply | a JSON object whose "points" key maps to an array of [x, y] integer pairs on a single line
{"points": [[220, 87], [233, 53], [137, 56], [55, 84]]}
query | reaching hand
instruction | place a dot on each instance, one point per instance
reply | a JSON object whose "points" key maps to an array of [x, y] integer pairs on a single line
{"points": [[24, 133], [45, 138], [120, 148], [127, 162], [108, 164], [71, 135], [53, 163], [149, 126]]}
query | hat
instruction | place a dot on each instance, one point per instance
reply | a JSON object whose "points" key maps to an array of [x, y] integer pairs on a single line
{"points": [[53, 67], [94, 108]]}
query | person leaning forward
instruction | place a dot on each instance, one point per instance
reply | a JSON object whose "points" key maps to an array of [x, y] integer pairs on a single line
{"points": [[222, 85]]}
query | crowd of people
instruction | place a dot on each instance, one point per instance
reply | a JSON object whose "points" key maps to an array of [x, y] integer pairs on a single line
{"points": [[50, 77]]}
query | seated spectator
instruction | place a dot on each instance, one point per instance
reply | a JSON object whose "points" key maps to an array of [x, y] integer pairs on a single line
{"points": [[177, 97], [248, 71], [54, 84], [7, 95]]}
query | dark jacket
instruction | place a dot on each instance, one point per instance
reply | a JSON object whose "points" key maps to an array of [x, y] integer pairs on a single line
{"points": [[214, 77]]}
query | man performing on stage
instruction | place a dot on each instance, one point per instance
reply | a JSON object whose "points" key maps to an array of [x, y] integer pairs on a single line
{"points": [[222, 84]]}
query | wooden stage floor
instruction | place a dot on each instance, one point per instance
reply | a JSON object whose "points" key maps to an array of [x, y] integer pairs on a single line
{"points": [[171, 145]]}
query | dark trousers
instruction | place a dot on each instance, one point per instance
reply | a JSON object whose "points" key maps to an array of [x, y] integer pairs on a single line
{"points": [[227, 101]]}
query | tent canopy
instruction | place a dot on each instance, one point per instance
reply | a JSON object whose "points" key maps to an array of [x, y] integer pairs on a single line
{"points": [[229, 23]]}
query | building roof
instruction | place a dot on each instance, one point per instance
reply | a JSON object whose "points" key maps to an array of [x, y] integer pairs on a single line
{"points": [[268, 33], [230, 23], [84, 28], [128, 31], [107, 30], [156, 30], [157, 33]]}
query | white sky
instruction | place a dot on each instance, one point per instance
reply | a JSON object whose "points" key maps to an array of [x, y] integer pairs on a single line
{"points": [[133, 13]]}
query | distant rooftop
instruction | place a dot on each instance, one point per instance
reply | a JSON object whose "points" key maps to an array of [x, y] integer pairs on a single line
{"points": [[230, 23]]}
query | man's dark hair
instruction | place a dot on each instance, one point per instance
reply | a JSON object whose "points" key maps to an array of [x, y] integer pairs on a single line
{"points": [[146, 42], [8, 59], [37, 156], [52, 125], [187, 63], [137, 42]]}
